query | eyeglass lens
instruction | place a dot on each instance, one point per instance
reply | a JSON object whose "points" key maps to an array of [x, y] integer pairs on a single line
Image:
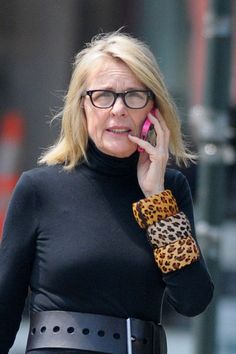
{"points": [[132, 99]]}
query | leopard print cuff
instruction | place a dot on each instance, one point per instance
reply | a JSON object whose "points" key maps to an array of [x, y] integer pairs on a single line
{"points": [[155, 208], [168, 230], [176, 255]]}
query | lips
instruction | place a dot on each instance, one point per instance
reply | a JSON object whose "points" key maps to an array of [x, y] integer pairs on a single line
{"points": [[119, 130]]}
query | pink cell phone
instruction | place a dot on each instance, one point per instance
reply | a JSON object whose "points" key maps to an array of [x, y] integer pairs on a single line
{"points": [[147, 131]]}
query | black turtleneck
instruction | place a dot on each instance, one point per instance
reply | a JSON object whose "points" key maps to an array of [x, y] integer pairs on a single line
{"points": [[110, 165], [73, 238]]}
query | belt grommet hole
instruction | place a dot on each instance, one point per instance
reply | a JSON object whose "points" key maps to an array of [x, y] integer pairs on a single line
{"points": [[101, 333], [145, 340], [43, 329], [133, 338], [56, 329], [85, 331], [33, 331], [116, 335], [70, 330]]}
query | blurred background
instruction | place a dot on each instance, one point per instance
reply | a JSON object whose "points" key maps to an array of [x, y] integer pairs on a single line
{"points": [[194, 42]]}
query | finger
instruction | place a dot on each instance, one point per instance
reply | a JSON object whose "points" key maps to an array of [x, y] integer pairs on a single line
{"points": [[158, 120], [162, 122], [149, 151], [160, 134], [161, 128], [142, 143]]}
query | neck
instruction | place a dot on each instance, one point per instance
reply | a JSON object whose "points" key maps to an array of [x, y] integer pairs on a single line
{"points": [[110, 165]]}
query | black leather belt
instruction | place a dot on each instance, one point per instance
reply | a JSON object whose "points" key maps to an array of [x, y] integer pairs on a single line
{"points": [[95, 333]]}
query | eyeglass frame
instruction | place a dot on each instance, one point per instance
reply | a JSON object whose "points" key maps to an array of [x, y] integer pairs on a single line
{"points": [[150, 95]]}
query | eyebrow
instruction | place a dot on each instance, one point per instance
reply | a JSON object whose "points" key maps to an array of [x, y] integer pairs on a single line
{"points": [[110, 88]]}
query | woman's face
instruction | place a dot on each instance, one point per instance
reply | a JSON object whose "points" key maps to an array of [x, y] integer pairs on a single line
{"points": [[109, 127]]}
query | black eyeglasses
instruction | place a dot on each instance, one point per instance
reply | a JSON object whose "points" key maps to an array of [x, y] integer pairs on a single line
{"points": [[135, 99]]}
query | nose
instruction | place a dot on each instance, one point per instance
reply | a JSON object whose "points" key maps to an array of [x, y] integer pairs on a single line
{"points": [[119, 108]]}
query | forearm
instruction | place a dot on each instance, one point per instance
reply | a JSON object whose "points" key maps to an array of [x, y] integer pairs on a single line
{"points": [[175, 251], [168, 231]]}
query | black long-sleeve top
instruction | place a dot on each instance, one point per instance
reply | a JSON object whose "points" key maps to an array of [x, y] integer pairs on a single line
{"points": [[72, 238]]}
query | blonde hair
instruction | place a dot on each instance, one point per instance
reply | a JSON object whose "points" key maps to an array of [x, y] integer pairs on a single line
{"points": [[70, 148]]}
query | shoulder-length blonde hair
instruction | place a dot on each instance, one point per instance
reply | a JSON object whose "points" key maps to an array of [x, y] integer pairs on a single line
{"points": [[70, 148]]}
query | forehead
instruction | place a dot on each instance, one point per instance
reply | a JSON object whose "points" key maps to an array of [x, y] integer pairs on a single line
{"points": [[111, 72]]}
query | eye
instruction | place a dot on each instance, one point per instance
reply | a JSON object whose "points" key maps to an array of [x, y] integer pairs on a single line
{"points": [[135, 94], [102, 98], [102, 94]]}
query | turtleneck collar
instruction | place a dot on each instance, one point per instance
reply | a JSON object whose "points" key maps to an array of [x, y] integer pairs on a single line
{"points": [[110, 165]]}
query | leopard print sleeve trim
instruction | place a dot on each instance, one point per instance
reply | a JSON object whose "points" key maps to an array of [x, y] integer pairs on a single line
{"points": [[169, 230], [172, 243], [149, 210], [177, 255]]}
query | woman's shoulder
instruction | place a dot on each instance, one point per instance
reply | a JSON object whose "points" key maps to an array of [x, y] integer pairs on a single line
{"points": [[43, 170], [42, 174]]}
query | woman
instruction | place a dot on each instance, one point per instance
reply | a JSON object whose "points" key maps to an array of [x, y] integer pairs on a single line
{"points": [[97, 269]]}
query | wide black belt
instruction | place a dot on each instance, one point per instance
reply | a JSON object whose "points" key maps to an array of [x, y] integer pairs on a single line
{"points": [[95, 333]]}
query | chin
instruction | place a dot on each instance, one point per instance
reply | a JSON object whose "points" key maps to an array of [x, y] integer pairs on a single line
{"points": [[120, 148], [119, 152], [122, 153]]}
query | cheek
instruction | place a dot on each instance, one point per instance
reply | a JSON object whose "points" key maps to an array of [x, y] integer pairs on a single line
{"points": [[95, 122]]}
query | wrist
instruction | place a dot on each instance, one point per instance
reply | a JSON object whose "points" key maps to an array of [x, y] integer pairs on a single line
{"points": [[155, 191], [158, 189]]}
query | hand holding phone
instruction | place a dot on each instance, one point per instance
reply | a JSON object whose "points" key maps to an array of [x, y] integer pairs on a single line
{"points": [[152, 163], [147, 131]]}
